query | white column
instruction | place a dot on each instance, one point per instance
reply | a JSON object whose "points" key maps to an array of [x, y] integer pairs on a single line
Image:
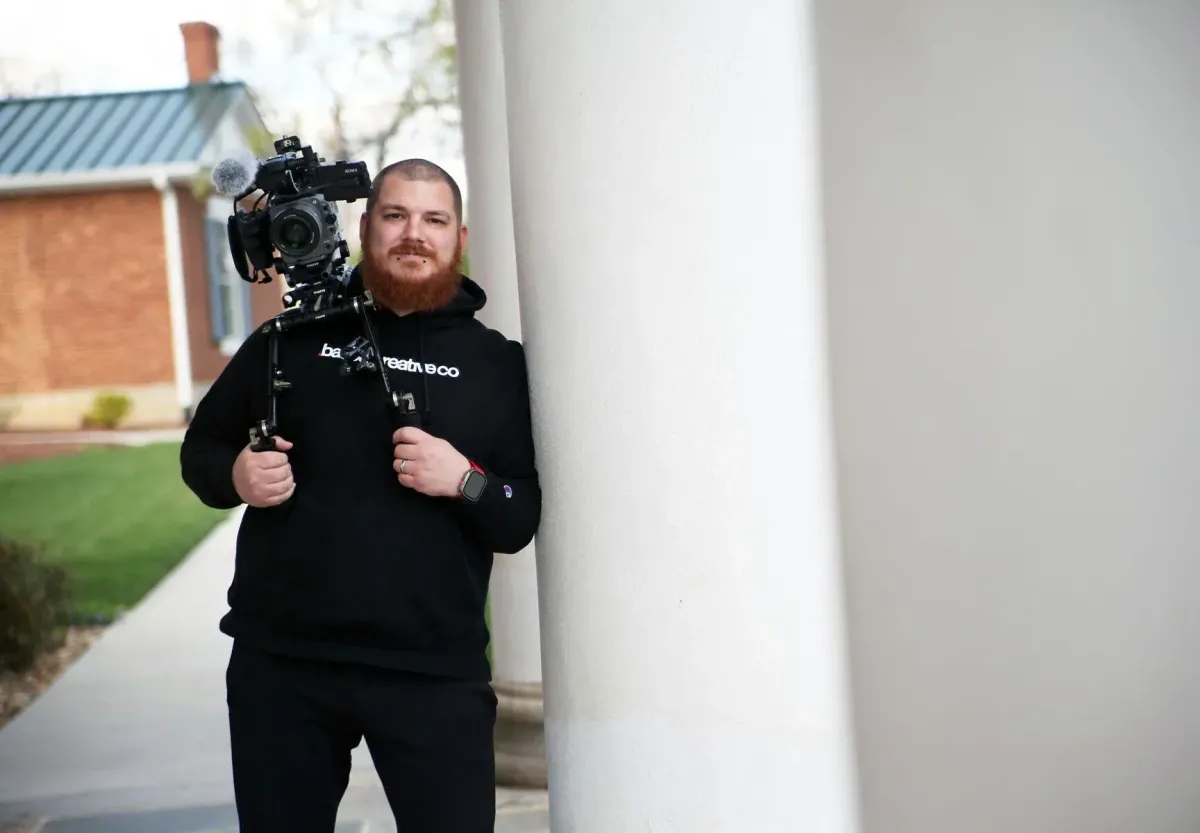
{"points": [[1014, 252], [181, 350], [516, 648], [666, 206]]}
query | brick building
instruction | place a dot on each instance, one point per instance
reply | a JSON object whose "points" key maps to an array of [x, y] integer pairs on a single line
{"points": [[115, 273]]}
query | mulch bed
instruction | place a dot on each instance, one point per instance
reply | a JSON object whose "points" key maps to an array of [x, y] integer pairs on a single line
{"points": [[17, 691], [13, 452]]}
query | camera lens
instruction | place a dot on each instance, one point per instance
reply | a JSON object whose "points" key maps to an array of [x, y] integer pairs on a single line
{"points": [[294, 234], [298, 233]]}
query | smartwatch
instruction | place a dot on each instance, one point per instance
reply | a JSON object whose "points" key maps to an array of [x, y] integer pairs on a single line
{"points": [[473, 483]]}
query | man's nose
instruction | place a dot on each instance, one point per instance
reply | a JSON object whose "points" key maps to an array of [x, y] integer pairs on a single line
{"points": [[412, 229]]}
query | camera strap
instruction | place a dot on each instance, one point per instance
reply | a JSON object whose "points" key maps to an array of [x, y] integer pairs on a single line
{"points": [[401, 404]]}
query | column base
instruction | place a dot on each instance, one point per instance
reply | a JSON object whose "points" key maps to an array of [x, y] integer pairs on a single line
{"points": [[519, 735]]}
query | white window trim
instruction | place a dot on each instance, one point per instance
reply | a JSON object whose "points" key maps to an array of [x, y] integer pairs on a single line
{"points": [[218, 208]]}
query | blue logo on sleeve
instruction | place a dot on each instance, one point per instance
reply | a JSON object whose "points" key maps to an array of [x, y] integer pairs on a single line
{"points": [[507, 491]]}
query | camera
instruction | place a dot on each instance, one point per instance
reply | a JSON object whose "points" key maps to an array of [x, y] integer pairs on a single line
{"points": [[293, 226]]}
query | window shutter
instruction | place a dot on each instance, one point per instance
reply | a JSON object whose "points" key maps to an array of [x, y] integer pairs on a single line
{"points": [[216, 247]]}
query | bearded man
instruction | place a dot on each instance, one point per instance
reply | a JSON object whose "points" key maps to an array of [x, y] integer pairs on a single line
{"points": [[364, 554]]}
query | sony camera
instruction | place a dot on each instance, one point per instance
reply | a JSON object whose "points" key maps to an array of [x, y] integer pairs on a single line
{"points": [[293, 226]]}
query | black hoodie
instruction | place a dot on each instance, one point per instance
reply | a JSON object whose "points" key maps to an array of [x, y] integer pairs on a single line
{"points": [[356, 566]]}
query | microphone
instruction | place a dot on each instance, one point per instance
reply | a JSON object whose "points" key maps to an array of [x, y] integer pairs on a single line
{"points": [[235, 176]]}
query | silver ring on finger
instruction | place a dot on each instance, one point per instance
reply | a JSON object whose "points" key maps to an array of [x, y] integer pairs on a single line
{"points": [[402, 462]]}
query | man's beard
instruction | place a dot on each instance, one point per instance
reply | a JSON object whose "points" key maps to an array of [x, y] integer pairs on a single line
{"points": [[393, 288]]}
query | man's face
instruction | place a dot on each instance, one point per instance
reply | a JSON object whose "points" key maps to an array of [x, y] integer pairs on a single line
{"points": [[412, 245]]}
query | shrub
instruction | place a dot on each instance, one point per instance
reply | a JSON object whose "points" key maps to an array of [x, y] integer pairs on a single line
{"points": [[108, 409], [33, 603]]}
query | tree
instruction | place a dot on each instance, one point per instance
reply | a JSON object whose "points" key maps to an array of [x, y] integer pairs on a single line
{"points": [[360, 73], [433, 84]]}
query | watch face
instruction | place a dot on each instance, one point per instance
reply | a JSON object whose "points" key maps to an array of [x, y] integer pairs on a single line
{"points": [[473, 487]]}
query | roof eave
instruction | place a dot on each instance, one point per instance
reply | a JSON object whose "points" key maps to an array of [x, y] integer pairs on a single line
{"points": [[98, 180]]}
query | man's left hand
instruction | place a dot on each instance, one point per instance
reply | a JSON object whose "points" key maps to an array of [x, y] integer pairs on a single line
{"points": [[427, 464]]}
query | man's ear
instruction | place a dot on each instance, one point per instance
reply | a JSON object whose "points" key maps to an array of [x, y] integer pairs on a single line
{"points": [[362, 230], [462, 237]]}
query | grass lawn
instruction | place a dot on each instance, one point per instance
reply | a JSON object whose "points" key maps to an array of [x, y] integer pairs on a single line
{"points": [[119, 519]]}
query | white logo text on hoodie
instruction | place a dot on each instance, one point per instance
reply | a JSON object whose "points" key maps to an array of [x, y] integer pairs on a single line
{"points": [[408, 365]]}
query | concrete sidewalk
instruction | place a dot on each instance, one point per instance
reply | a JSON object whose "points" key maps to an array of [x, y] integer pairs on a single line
{"points": [[134, 736]]}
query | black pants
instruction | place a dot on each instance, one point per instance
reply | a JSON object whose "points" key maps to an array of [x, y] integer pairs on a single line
{"points": [[294, 722]]}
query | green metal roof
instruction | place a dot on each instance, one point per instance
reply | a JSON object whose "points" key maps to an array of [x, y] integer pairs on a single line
{"points": [[78, 133]]}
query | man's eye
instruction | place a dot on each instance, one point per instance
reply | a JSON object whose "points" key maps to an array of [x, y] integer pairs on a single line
{"points": [[392, 216], [438, 220]]}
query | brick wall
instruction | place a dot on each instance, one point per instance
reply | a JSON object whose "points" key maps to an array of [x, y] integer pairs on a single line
{"points": [[266, 300], [83, 292], [207, 360], [84, 305], [87, 273]]}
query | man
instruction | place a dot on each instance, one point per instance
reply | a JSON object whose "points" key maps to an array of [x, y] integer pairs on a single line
{"points": [[363, 559]]}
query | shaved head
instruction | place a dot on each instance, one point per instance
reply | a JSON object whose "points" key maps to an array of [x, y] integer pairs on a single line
{"points": [[416, 170]]}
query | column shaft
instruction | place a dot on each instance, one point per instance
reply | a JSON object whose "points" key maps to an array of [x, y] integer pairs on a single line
{"points": [[666, 206], [516, 648]]}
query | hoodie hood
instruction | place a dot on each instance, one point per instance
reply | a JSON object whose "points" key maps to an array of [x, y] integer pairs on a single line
{"points": [[469, 299]]}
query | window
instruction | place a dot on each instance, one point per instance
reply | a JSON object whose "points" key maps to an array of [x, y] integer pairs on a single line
{"points": [[229, 295]]}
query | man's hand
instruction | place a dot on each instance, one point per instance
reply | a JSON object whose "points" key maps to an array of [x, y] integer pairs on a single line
{"points": [[428, 464], [264, 478]]}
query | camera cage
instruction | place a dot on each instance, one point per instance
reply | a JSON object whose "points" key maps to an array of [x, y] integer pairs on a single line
{"points": [[299, 190]]}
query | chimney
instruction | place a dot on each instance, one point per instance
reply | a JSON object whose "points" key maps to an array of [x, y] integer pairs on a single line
{"points": [[200, 45]]}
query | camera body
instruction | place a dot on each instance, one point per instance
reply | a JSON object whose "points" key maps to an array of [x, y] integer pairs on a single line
{"points": [[296, 231]]}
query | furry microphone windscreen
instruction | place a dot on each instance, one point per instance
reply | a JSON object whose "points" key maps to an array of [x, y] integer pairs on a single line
{"points": [[234, 175]]}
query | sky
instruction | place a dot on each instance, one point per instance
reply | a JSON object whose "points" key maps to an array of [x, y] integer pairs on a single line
{"points": [[135, 44]]}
